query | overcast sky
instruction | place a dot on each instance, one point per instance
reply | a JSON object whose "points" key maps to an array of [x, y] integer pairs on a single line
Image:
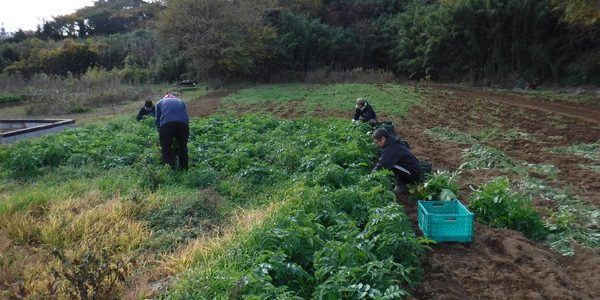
{"points": [[27, 14]]}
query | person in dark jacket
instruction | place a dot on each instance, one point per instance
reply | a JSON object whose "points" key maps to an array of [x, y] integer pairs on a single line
{"points": [[147, 109], [364, 112], [397, 158], [172, 122]]}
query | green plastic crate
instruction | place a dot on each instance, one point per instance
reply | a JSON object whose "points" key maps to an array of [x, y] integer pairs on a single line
{"points": [[445, 221]]}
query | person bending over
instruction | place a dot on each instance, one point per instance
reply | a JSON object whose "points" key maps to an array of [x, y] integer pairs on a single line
{"points": [[147, 109], [172, 123], [395, 156], [364, 112]]}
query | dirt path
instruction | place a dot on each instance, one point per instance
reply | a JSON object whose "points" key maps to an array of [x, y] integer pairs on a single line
{"points": [[207, 104], [574, 110]]}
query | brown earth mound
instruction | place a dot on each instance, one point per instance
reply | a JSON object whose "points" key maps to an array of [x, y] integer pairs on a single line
{"points": [[503, 264]]}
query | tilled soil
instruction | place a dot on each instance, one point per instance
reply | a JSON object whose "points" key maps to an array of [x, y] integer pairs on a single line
{"points": [[498, 263], [503, 264]]}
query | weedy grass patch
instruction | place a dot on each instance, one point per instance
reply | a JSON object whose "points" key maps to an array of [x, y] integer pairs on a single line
{"points": [[191, 93], [447, 134], [481, 137], [554, 95], [485, 157], [595, 168], [63, 242], [492, 134], [481, 156], [589, 151], [389, 98], [573, 221]]}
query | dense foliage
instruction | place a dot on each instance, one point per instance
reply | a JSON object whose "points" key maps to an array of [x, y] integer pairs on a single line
{"points": [[496, 41], [337, 233]]}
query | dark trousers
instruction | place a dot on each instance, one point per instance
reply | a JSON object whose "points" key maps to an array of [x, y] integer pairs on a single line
{"points": [[180, 132], [402, 179]]}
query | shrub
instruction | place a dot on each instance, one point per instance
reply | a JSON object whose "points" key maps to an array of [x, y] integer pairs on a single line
{"points": [[95, 275], [11, 98]]}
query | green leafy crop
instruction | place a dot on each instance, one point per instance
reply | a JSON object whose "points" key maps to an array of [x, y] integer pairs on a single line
{"points": [[496, 205], [438, 186]]}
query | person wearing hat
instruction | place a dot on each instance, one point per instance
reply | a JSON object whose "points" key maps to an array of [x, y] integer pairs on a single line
{"points": [[364, 112], [172, 123], [396, 157]]}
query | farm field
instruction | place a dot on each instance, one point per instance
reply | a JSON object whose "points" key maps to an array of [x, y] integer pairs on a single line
{"points": [[279, 201]]}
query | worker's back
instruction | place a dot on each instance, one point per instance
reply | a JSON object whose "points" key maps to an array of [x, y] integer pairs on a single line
{"points": [[171, 110]]}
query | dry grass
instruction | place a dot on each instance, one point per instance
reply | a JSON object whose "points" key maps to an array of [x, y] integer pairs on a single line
{"points": [[203, 251], [77, 228], [58, 96]]}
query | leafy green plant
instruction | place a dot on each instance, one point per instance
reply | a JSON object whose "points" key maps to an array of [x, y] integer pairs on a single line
{"points": [[439, 186], [495, 204]]}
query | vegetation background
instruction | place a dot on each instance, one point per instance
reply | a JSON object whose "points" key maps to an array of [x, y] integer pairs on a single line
{"points": [[502, 42]]}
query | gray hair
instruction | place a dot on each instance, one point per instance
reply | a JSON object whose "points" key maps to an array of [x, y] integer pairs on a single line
{"points": [[380, 133]]}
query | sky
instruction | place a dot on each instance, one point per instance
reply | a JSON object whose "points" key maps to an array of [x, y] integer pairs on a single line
{"points": [[27, 14]]}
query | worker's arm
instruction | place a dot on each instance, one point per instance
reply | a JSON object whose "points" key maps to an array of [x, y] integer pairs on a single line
{"points": [[356, 114], [387, 159], [140, 115]]}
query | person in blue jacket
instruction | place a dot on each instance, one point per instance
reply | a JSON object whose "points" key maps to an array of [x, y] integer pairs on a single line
{"points": [[364, 112], [172, 123], [147, 109], [395, 156]]}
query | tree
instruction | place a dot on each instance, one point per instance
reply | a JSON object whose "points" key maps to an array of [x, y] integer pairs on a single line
{"points": [[103, 18], [222, 39], [304, 43], [64, 58], [482, 41], [71, 58], [581, 12]]}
